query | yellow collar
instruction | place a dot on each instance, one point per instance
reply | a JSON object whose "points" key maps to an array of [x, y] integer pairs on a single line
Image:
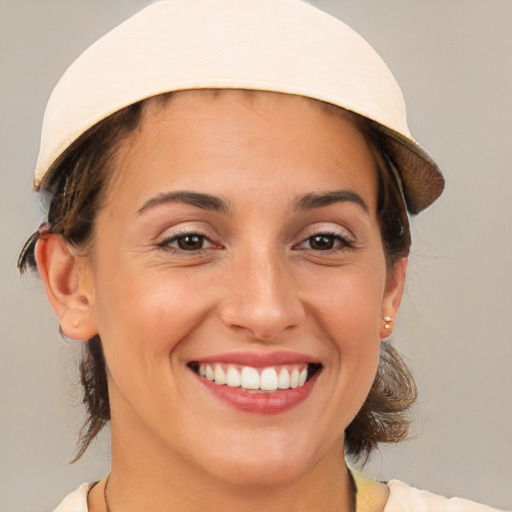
{"points": [[372, 496]]}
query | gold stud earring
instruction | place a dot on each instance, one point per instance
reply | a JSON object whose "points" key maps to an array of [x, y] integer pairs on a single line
{"points": [[76, 323], [387, 322]]}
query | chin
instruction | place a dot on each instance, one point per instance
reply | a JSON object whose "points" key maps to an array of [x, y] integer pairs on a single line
{"points": [[259, 473], [265, 460]]}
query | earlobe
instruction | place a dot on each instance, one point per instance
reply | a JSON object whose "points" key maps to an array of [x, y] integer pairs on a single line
{"points": [[62, 274], [393, 297]]}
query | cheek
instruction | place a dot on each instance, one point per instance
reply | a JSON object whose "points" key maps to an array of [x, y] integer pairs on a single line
{"points": [[142, 320], [142, 314], [350, 305], [349, 309]]}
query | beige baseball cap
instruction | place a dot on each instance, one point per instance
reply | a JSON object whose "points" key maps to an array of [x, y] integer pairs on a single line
{"points": [[285, 46]]}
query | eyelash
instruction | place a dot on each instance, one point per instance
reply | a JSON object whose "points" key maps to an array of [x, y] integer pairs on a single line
{"points": [[344, 243]]}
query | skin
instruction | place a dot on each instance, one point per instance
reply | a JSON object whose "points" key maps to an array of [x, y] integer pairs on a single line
{"points": [[258, 284]]}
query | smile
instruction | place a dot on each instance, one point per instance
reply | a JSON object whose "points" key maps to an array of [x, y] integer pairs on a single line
{"points": [[257, 380], [258, 383]]}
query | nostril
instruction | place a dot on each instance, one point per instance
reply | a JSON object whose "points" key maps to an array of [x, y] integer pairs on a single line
{"points": [[263, 322]]}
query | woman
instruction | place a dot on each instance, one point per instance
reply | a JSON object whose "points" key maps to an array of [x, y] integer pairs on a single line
{"points": [[230, 234]]}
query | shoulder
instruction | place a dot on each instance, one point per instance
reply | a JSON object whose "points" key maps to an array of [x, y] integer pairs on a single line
{"points": [[75, 501], [403, 498]]}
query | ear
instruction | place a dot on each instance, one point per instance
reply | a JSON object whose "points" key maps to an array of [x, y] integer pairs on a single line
{"points": [[392, 297], [66, 280]]}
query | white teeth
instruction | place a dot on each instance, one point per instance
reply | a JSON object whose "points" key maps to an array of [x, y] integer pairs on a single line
{"points": [[233, 377], [220, 376], [249, 378], [269, 379], [266, 379], [294, 378], [284, 379]]}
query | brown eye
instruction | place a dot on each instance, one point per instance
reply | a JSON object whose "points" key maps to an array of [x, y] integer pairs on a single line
{"points": [[327, 242], [322, 242], [192, 242], [187, 242]]}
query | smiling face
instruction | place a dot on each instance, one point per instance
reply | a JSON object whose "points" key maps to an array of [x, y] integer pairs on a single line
{"points": [[238, 282]]}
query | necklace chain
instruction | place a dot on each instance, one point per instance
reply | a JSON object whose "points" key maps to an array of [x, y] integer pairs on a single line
{"points": [[105, 493], [352, 496]]}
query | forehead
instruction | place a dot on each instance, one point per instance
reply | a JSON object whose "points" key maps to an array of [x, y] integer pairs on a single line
{"points": [[227, 133], [197, 99]]}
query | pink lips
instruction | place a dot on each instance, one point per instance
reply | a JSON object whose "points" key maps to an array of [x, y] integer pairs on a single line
{"points": [[260, 360], [257, 402]]}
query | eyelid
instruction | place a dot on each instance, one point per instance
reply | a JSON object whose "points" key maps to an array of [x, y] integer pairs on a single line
{"points": [[187, 228], [327, 228]]}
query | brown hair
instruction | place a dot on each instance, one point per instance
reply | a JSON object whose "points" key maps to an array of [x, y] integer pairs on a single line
{"points": [[74, 189]]}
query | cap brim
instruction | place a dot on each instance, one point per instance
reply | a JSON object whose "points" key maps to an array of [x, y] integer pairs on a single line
{"points": [[422, 179]]}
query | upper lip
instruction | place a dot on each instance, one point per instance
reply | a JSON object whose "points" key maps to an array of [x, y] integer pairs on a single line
{"points": [[258, 360]]}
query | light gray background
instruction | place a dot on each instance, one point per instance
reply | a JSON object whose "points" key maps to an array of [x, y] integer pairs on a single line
{"points": [[453, 59]]}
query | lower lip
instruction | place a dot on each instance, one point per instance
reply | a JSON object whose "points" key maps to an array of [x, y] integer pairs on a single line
{"points": [[260, 403]]}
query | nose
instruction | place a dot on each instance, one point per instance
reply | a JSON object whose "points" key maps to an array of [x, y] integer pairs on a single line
{"points": [[262, 297]]}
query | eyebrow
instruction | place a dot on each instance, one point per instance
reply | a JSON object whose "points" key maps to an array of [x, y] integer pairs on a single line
{"points": [[320, 199], [214, 203], [198, 199]]}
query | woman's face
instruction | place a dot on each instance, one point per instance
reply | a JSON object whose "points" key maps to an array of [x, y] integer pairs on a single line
{"points": [[239, 239]]}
